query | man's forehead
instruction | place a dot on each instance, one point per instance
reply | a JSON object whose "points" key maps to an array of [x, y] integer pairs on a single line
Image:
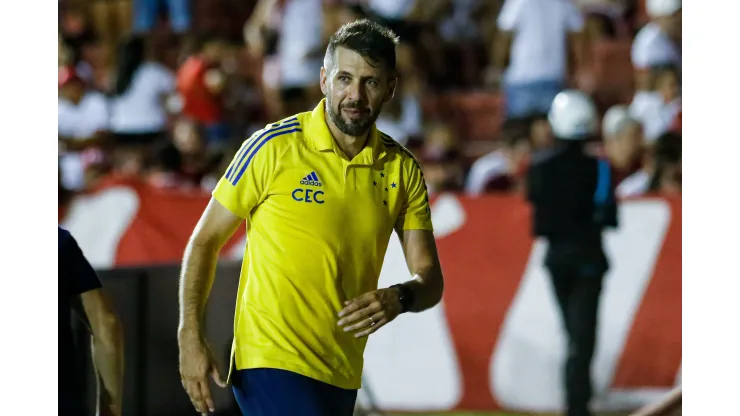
{"points": [[347, 60]]}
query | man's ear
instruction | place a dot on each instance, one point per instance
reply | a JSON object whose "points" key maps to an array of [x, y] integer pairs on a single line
{"points": [[392, 84], [323, 80]]}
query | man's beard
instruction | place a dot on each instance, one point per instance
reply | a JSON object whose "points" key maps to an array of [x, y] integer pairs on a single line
{"points": [[354, 129]]}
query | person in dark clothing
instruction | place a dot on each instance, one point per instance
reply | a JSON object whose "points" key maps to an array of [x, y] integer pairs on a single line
{"points": [[573, 201], [80, 291]]}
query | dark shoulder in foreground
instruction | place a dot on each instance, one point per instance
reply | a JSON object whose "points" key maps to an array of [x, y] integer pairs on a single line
{"points": [[544, 156], [64, 237], [402, 151]]}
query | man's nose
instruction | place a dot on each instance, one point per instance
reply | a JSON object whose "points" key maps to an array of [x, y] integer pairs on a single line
{"points": [[355, 92]]}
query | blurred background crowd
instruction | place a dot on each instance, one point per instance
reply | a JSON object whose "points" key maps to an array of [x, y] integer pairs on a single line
{"points": [[166, 90]]}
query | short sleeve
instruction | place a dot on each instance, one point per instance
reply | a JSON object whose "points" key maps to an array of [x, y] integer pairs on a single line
{"points": [[415, 213], [245, 183], [508, 18], [76, 268]]}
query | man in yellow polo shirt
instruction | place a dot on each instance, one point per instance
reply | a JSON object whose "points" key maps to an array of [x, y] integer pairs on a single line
{"points": [[321, 193]]}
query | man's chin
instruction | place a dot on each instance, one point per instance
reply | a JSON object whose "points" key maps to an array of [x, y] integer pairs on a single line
{"points": [[355, 128]]}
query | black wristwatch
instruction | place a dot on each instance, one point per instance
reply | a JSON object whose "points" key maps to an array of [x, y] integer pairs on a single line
{"points": [[405, 296]]}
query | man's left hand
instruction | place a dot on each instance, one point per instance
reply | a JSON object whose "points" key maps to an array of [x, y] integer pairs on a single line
{"points": [[368, 313]]}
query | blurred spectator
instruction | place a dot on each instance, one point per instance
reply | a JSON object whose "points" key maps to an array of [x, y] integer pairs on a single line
{"points": [[196, 160], [200, 83], [138, 115], [261, 33], [503, 169], [443, 169], [95, 65], [75, 29], [83, 124], [184, 162], [540, 131], [112, 19], [657, 43], [290, 77], [402, 117], [661, 172], [604, 19], [146, 13], [415, 22], [623, 141], [540, 37], [165, 168], [658, 112], [462, 41]]}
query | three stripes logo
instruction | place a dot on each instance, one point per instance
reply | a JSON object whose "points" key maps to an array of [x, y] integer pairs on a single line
{"points": [[250, 148], [311, 180]]}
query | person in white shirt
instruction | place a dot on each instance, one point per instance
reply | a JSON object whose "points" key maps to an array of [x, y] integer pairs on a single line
{"points": [[536, 40], [657, 43], [82, 125], [138, 112], [290, 76], [661, 172], [658, 114], [501, 169]]}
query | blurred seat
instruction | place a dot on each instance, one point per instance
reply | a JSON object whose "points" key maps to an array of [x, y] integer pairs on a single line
{"points": [[222, 16], [476, 115], [613, 73]]}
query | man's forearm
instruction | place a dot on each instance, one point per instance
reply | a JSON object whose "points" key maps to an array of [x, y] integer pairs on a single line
{"points": [[427, 287], [196, 279], [107, 350]]}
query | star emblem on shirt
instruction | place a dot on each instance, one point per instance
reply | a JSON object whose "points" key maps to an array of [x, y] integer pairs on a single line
{"points": [[393, 185]]}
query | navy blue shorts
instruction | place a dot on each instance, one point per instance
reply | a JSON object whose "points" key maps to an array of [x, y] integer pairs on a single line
{"points": [[273, 392]]}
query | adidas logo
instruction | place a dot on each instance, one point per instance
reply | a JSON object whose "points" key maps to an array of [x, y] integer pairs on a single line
{"points": [[311, 180]]}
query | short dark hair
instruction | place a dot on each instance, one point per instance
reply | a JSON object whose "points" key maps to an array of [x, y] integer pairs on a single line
{"points": [[375, 42]]}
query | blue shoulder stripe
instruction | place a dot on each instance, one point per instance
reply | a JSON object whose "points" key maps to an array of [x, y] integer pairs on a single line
{"points": [[388, 141], [247, 149], [275, 133], [239, 155], [283, 122], [603, 183]]}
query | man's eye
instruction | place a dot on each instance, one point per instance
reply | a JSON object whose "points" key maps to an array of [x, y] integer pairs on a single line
{"points": [[343, 78], [372, 83]]}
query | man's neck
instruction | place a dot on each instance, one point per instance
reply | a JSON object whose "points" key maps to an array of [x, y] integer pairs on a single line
{"points": [[350, 145]]}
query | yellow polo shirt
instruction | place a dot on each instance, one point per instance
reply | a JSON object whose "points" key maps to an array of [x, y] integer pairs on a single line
{"points": [[319, 226]]}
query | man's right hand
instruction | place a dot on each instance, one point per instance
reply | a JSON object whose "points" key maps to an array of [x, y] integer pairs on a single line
{"points": [[196, 364]]}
